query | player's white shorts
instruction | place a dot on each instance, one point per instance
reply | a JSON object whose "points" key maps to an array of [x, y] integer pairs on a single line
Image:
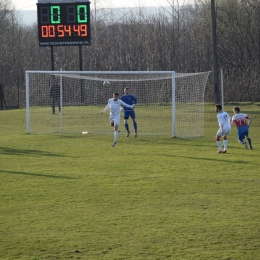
{"points": [[115, 119], [224, 133]]}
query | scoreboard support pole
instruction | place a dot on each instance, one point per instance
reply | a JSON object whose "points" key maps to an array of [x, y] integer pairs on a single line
{"points": [[52, 59], [51, 79], [81, 68], [80, 58]]}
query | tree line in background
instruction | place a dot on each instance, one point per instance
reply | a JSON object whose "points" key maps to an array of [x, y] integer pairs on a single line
{"points": [[172, 38]]}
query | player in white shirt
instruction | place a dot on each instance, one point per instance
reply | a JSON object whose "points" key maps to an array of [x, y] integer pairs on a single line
{"points": [[224, 128], [115, 107]]}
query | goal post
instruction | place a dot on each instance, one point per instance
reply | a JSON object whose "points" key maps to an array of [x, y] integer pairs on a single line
{"points": [[168, 103]]}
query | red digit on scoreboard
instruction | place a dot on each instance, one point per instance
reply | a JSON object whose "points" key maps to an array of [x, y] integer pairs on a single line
{"points": [[51, 31], [67, 30], [76, 30], [83, 28], [44, 30], [60, 31]]}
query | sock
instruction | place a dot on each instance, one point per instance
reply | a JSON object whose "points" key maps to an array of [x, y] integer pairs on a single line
{"points": [[219, 145], [135, 126], [225, 142], [249, 141], [127, 127], [115, 135]]}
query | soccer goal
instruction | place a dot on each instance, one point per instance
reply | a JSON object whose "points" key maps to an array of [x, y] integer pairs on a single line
{"points": [[168, 103]]}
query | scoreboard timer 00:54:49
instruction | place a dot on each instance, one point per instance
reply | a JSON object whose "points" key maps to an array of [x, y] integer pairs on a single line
{"points": [[63, 22]]}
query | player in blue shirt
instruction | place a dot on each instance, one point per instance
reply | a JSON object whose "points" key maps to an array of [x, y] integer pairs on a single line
{"points": [[130, 100]]}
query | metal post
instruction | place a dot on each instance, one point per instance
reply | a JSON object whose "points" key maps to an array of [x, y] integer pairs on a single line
{"points": [[1, 98], [18, 90], [61, 105], [27, 103], [52, 59], [215, 56], [81, 81], [80, 58], [174, 133], [222, 88]]}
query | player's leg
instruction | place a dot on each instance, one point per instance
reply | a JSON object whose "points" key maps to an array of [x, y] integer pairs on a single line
{"points": [[248, 138], [126, 116], [127, 127], [58, 102], [115, 135], [241, 136], [218, 141], [135, 127], [112, 124], [225, 143], [220, 150], [116, 124], [111, 120], [249, 141], [132, 114], [53, 105]]}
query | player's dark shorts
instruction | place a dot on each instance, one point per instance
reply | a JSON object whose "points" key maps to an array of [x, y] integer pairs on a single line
{"points": [[128, 113], [242, 132]]}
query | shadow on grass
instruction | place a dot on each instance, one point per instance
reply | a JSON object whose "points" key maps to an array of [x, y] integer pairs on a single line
{"points": [[36, 174], [11, 151], [218, 159], [69, 136]]}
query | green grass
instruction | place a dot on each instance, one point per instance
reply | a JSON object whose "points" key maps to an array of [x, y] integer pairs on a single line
{"points": [[150, 197]]}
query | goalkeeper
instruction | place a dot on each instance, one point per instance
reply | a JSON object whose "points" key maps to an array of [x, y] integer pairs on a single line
{"points": [[130, 100]]}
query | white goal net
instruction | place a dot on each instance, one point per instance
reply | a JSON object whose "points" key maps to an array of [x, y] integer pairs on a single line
{"points": [[168, 103]]}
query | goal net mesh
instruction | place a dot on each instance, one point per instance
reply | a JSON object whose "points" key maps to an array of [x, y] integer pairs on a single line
{"points": [[71, 102]]}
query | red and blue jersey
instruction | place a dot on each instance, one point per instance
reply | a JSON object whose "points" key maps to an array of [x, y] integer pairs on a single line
{"points": [[242, 127], [240, 120]]}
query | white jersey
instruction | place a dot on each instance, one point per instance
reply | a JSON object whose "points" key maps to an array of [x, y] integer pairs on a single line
{"points": [[115, 106], [224, 121]]}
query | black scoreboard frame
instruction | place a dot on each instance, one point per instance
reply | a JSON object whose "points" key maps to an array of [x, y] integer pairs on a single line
{"points": [[63, 23]]}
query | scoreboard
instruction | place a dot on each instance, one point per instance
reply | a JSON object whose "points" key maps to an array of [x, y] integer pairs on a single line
{"points": [[63, 23]]}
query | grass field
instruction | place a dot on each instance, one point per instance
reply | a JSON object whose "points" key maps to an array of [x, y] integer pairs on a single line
{"points": [[150, 197]]}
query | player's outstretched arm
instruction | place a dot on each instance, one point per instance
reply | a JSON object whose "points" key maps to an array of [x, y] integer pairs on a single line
{"points": [[105, 109], [126, 105]]}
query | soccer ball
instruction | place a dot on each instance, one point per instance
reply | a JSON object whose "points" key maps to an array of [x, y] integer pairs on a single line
{"points": [[106, 84]]}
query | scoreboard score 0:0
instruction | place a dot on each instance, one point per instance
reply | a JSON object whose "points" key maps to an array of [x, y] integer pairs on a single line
{"points": [[63, 24]]}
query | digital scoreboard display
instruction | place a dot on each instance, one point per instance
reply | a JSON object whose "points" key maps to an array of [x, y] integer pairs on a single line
{"points": [[63, 24]]}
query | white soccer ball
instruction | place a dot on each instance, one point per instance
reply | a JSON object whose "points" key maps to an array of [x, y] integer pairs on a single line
{"points": [[106, 84]]}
